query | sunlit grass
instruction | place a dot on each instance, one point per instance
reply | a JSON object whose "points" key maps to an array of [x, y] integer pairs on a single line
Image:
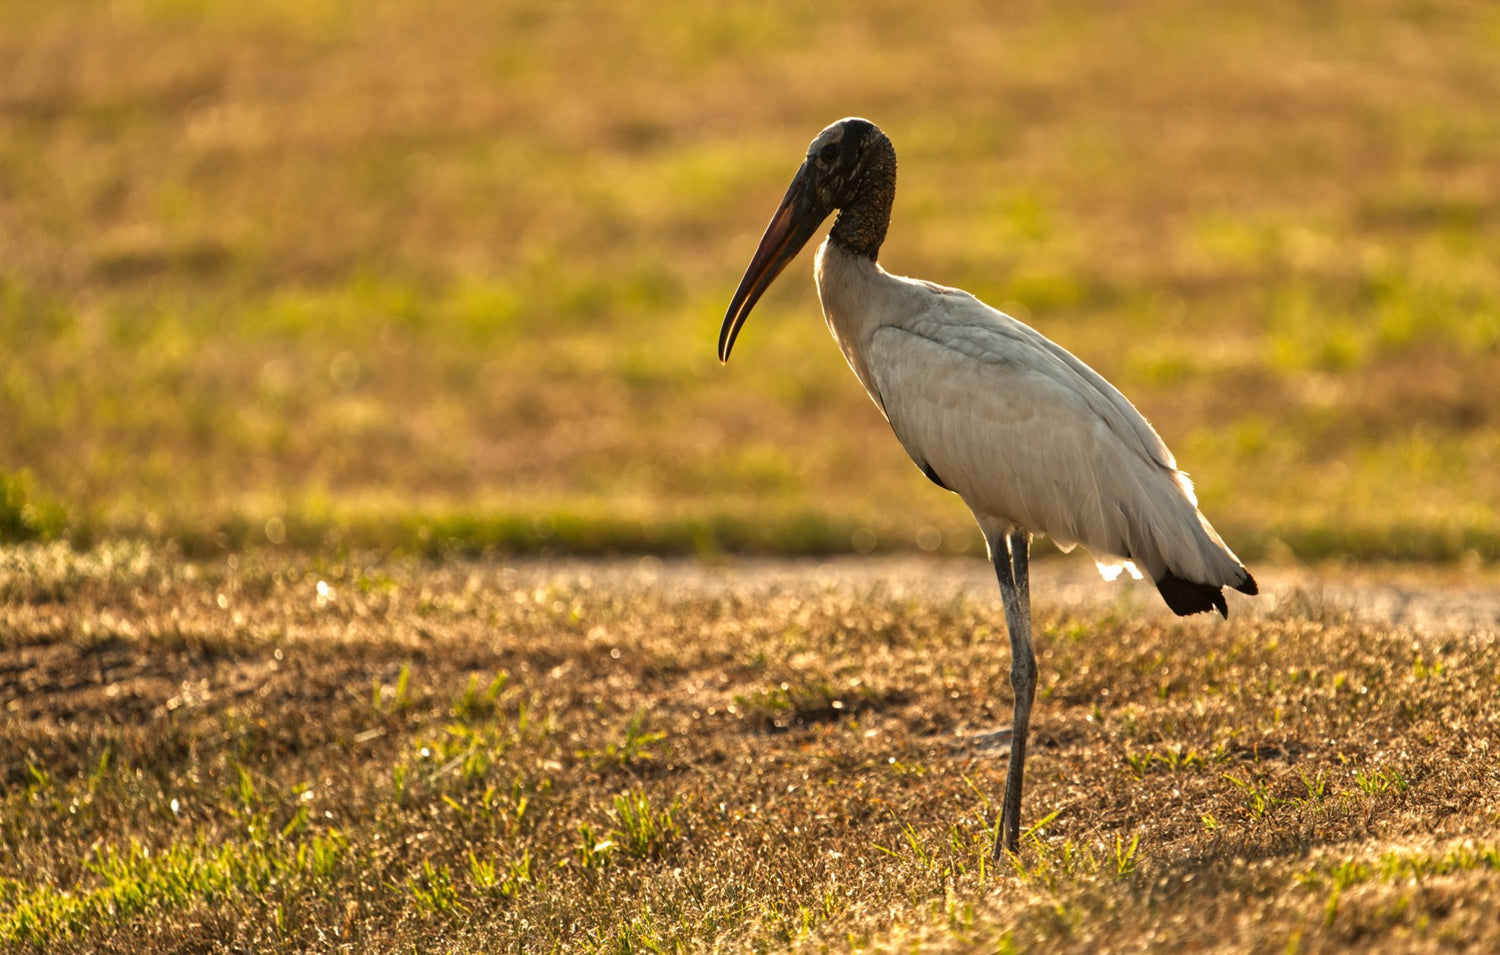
{"points": [[364, 272], [280, 754]]}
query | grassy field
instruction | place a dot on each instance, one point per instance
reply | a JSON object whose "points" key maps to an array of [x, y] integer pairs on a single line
{"points": [[407, 275], [263, 754], [316, 317]]}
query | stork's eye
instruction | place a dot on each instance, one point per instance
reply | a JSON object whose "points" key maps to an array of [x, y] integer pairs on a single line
{"points": [[829, 154]]}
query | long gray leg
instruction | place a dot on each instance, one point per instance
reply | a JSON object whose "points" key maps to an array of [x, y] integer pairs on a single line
{"points": [[1010, 554]]}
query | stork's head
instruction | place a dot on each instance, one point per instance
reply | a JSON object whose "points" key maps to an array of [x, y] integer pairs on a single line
{"points": [[849, 165], [835, 163]]}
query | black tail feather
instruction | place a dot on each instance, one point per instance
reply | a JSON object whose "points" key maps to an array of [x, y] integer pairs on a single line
{"points": [[1186, 597], [1248, 585]]}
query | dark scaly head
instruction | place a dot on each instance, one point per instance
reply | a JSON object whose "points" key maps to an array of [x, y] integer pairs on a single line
{"points": [[850, 167]]}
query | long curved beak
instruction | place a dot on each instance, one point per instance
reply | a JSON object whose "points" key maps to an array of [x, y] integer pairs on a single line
{"points": [[794, 222]]}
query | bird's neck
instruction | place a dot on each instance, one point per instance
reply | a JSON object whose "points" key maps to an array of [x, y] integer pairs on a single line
{"points": [[858, 296], [861, 225]]}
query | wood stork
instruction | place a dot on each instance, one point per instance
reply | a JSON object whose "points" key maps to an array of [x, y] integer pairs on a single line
{"points": [[1032, 439]]}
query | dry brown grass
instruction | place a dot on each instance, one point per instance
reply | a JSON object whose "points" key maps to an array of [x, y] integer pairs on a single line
{"points": [[315, 755], [437, 277]]}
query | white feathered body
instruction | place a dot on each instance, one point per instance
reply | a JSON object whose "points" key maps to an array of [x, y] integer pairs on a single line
{"points": [[1024, 432]]}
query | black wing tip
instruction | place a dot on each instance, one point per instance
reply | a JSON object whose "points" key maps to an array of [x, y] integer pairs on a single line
{"points": [[1186, 597]]}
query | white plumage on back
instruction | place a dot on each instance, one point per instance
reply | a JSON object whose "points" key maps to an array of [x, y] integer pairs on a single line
{"points": [[1014, 424]]}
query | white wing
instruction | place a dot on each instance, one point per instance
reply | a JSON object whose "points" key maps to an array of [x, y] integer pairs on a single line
{"points": [[1026, 433]]}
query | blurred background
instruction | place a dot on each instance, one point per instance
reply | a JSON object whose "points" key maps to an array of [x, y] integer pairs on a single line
{"points": [[440, 275]]}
